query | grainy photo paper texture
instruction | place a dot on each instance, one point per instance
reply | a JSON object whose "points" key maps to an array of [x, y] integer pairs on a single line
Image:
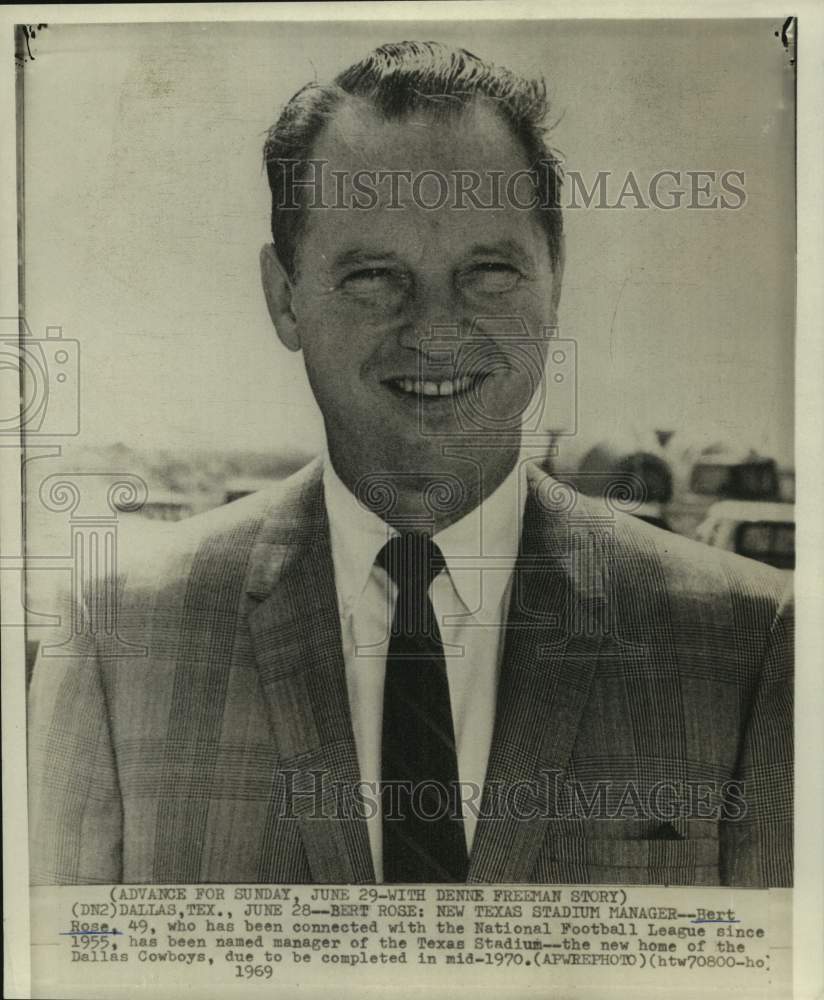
{"points": [[408, 502]]}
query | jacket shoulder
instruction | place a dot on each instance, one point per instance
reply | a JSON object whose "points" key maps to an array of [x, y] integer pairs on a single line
{"points": [[658, 575], [692, 566], [212, 549]]}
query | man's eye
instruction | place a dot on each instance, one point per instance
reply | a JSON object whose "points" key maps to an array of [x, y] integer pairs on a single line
{"points": [[369, 278], [380, 288], [492, 278]]}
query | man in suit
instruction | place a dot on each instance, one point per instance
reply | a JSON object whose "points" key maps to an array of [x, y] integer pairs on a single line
{"points": [[420, 658]]}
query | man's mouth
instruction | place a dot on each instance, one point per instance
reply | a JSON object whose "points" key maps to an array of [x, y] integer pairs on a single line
{"points": [[431, 388]]}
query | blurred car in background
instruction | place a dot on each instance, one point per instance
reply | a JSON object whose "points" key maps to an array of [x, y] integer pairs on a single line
{"points": [[652, 486], [760, 530], [723, 475], [786, 485], [752, 478], [642, 477]]}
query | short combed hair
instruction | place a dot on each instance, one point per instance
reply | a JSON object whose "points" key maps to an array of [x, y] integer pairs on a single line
{"points": [[399, 79]]}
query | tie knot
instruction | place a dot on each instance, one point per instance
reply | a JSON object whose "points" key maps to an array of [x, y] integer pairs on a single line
{"points": [[412, 561]]}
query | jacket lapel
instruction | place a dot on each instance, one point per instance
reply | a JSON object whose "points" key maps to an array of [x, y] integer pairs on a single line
{"points": [[295, 630], [555, 629]]}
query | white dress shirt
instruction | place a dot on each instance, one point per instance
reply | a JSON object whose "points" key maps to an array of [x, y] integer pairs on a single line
{"points": [[470, 599]]}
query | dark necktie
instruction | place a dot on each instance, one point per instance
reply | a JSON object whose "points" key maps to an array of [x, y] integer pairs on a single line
{"points": [[423, 833]]}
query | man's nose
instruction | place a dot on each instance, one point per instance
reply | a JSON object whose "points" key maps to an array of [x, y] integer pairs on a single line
{"points": [[436, 311]]}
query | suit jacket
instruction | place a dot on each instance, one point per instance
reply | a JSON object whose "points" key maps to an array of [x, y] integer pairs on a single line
{"points": [[643, 727]]}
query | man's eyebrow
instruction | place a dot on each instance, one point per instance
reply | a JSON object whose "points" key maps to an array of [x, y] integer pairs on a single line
{"points": [[363, 255], [505, 247]]}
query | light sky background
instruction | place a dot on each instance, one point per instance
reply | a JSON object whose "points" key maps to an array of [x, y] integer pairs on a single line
{"points": [[146, 205]]}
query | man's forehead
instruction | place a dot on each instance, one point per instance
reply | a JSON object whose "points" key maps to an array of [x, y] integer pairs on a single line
{"points": [[419, 238], [466, 137], [427, 158]]}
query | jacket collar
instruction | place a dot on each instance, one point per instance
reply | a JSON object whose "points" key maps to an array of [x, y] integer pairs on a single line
{"points": [[556, 626], [296, 636]]}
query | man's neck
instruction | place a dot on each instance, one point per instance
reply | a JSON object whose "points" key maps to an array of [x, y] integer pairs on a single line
{"points": [[429, 502]]}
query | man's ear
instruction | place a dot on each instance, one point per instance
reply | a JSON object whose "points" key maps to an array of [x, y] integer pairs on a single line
{"points": [[278, 291], [558, 275]]}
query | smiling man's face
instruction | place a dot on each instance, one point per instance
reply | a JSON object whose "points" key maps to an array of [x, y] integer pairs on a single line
{"points": [[371, 285]]}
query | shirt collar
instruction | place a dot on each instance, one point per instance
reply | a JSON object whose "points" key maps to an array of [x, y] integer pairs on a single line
{"points": [[486, 538], [481, 548], [357, 535]]}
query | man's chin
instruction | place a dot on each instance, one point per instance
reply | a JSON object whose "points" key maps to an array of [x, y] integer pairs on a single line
{"points": [[411, 478], [425, 460]]}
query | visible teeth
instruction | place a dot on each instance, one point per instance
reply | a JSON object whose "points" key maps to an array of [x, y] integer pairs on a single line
{"points": [[448, 387]]}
